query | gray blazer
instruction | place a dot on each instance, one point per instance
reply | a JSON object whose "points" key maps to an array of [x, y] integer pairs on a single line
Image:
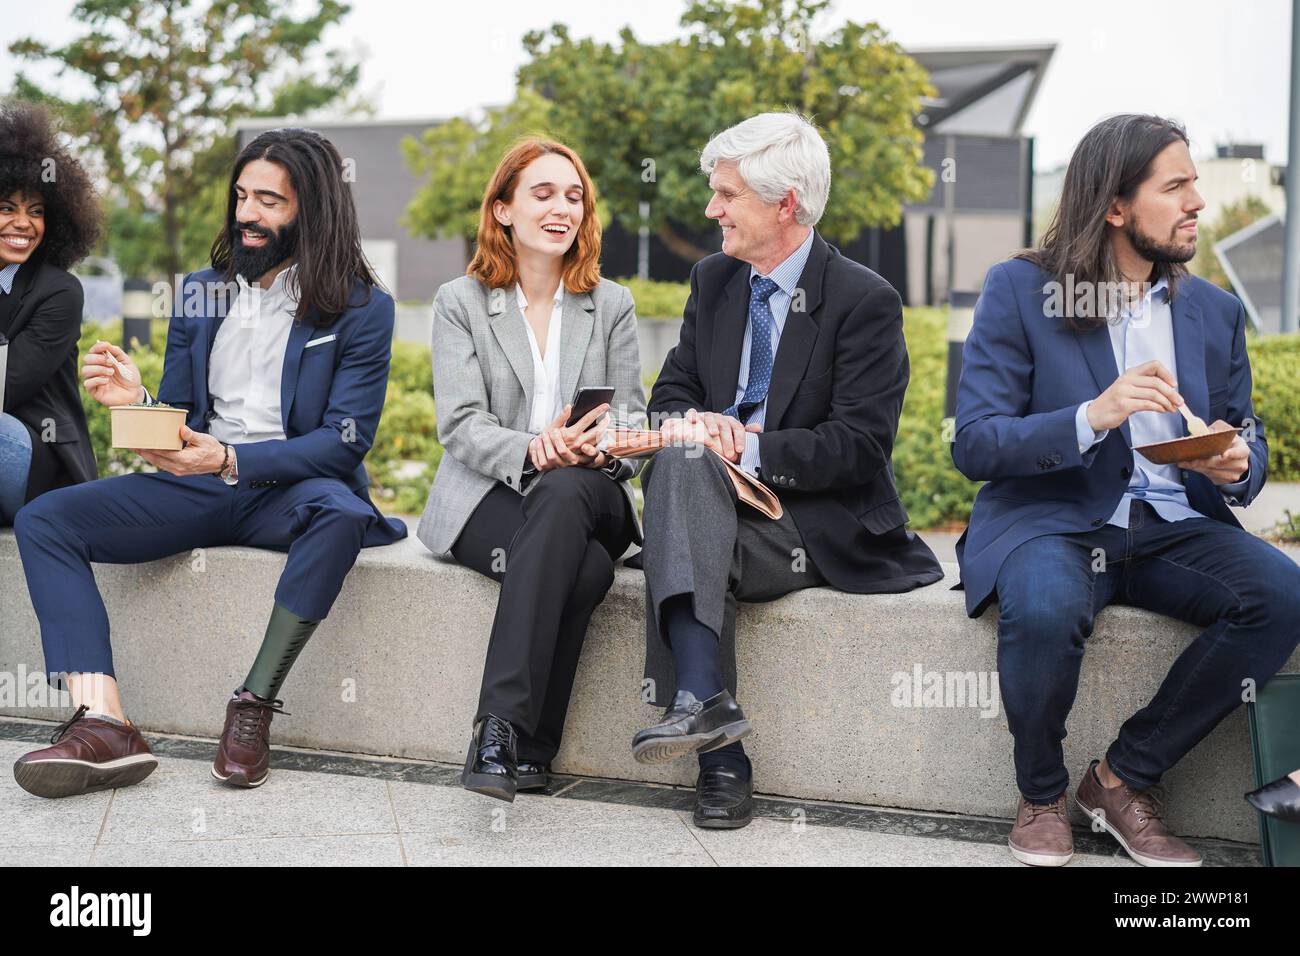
{"points": [[483, 386]]}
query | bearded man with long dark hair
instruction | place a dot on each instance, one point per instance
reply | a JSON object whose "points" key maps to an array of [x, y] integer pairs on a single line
{"points": [[1083, 350], [279, 354]]}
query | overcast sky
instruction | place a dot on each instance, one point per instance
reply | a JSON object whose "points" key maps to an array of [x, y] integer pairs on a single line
{"points": [[1220, 68]]}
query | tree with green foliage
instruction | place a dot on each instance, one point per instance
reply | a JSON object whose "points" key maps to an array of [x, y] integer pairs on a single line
{"points": [[457, 158], [640, 113], [169, 80]]}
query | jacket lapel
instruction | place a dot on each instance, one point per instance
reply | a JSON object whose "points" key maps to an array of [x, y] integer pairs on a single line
{"points": [[728, 339], [1189, 355], [299, 333], [1100, 355], [798, 335], [575, 333], [507, 324]]}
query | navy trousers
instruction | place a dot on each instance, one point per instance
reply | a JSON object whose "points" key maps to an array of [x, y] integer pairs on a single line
{"points": [[143, 517], [1243, 591]]}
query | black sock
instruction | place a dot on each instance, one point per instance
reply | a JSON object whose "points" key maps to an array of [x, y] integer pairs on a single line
{"points": [[730, 757], [694, 646]]}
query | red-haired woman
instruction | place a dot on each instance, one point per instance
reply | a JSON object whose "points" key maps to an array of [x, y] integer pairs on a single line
{"points": [[520, 495]]}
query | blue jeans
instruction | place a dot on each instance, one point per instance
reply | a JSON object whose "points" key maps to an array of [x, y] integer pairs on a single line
{"points": [[1243, 591], [15, 463]]}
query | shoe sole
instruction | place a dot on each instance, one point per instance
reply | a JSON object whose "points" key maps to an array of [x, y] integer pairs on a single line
{"points": [[667, 749], [713, 823], [1039, 859], [238, 779], [1098, 817], [69, 778], [532, 783]]}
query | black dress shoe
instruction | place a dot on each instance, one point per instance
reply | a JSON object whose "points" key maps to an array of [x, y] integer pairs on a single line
{"points": [[724, 800], [533, 775], [491, 767], [1280, 799], [689, 726]]}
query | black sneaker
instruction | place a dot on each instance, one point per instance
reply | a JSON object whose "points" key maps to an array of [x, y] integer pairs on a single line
{"points": [[689, 726], [491, 767]]}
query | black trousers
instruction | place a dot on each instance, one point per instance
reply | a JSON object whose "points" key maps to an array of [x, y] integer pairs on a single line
{"points": [[553, 551]]}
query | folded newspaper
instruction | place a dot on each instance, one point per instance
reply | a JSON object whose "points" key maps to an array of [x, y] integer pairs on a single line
{"points": [[640, 443]]}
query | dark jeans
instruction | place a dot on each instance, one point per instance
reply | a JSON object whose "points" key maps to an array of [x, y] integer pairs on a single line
{"points": [[1241, 589], [553, 551]]}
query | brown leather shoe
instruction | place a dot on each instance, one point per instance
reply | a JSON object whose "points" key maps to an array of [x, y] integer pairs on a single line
{"points": [[89, 754], [1133, 818], [244, 754], [1041, 835]]}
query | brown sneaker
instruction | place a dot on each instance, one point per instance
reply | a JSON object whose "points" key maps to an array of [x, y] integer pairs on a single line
{"points": [[1041, 835], [244, 754], [1133, 818], [89, 754]]}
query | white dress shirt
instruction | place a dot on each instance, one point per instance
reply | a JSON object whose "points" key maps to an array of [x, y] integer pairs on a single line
{"points": [[247, 363], [547, 402], [1142, 335]]}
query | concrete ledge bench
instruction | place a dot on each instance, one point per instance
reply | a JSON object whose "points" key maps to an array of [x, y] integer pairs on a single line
{"points": [[887, 700]]}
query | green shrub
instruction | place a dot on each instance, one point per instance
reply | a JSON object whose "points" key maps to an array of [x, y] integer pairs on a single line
{"points": [[658, 300], [934, 492], [1275, 368]]}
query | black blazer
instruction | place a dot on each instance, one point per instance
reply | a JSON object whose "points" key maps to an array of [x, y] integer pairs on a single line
{"points": [[42, 320], [832, 409]]}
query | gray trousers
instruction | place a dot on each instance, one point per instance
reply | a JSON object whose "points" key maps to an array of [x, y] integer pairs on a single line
{"points": [[700, 541]]}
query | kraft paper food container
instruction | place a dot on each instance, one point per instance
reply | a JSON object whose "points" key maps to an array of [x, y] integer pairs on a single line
{"points": [[1188, 448], [147, 426]]}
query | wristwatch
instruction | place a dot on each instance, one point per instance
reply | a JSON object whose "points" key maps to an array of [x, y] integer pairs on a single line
{"points": [[229, 472]]}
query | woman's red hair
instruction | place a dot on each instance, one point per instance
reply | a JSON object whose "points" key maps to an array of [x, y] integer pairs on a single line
{"points": [[494, 263]]}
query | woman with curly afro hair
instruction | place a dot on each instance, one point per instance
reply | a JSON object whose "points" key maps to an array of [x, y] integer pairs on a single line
{"points": [[49, 219]]}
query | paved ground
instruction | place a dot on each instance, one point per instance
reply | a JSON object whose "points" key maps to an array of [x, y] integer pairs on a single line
{"points": [[330, 809]]}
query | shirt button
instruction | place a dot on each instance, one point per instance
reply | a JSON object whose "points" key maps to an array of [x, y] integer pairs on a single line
{"points": [[1126, 472], [509, 480], [1098, 522]]}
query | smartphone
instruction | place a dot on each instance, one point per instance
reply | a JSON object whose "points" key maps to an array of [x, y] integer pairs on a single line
{"points": [[586, 398]]}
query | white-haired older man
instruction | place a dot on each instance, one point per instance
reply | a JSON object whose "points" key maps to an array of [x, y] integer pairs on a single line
{"points": [[792, 364]]}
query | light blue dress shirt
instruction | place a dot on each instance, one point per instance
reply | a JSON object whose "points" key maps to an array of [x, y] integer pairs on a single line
{"points": [[1143, 335], [786, 276], [7, 277]]}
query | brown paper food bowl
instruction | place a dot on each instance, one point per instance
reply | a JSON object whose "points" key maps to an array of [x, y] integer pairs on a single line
{"points": [[1189, 448], [147, 426]]}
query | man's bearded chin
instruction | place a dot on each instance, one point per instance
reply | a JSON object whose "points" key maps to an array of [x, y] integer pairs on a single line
{"points": [[1153, 250], [254, 262]]}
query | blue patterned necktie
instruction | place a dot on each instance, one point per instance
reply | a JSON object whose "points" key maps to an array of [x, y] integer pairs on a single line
{"points": [[760, 349]]}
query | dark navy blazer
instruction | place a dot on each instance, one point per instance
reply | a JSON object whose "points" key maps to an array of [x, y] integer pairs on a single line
{"points": [[331, 395], [1024, 375]]}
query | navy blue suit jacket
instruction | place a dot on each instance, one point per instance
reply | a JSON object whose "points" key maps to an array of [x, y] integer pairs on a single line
{"points": [[331, 395], [1023, 377]]}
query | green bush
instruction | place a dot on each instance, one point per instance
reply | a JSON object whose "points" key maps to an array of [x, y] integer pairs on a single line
{"points": [[934, 492], [657, 300], [406, 452], [1275, 368]]}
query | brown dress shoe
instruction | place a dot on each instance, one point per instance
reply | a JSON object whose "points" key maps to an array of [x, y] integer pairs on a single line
{"points": [[244, 754], [89, 754], [1041, 835], [1133, 818]]}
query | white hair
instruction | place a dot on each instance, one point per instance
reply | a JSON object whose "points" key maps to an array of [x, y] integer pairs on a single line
{"points": [[777, 152]]}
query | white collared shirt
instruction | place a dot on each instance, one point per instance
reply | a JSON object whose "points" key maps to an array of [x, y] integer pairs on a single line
{"points": [[247, 363], [546, 403]]}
